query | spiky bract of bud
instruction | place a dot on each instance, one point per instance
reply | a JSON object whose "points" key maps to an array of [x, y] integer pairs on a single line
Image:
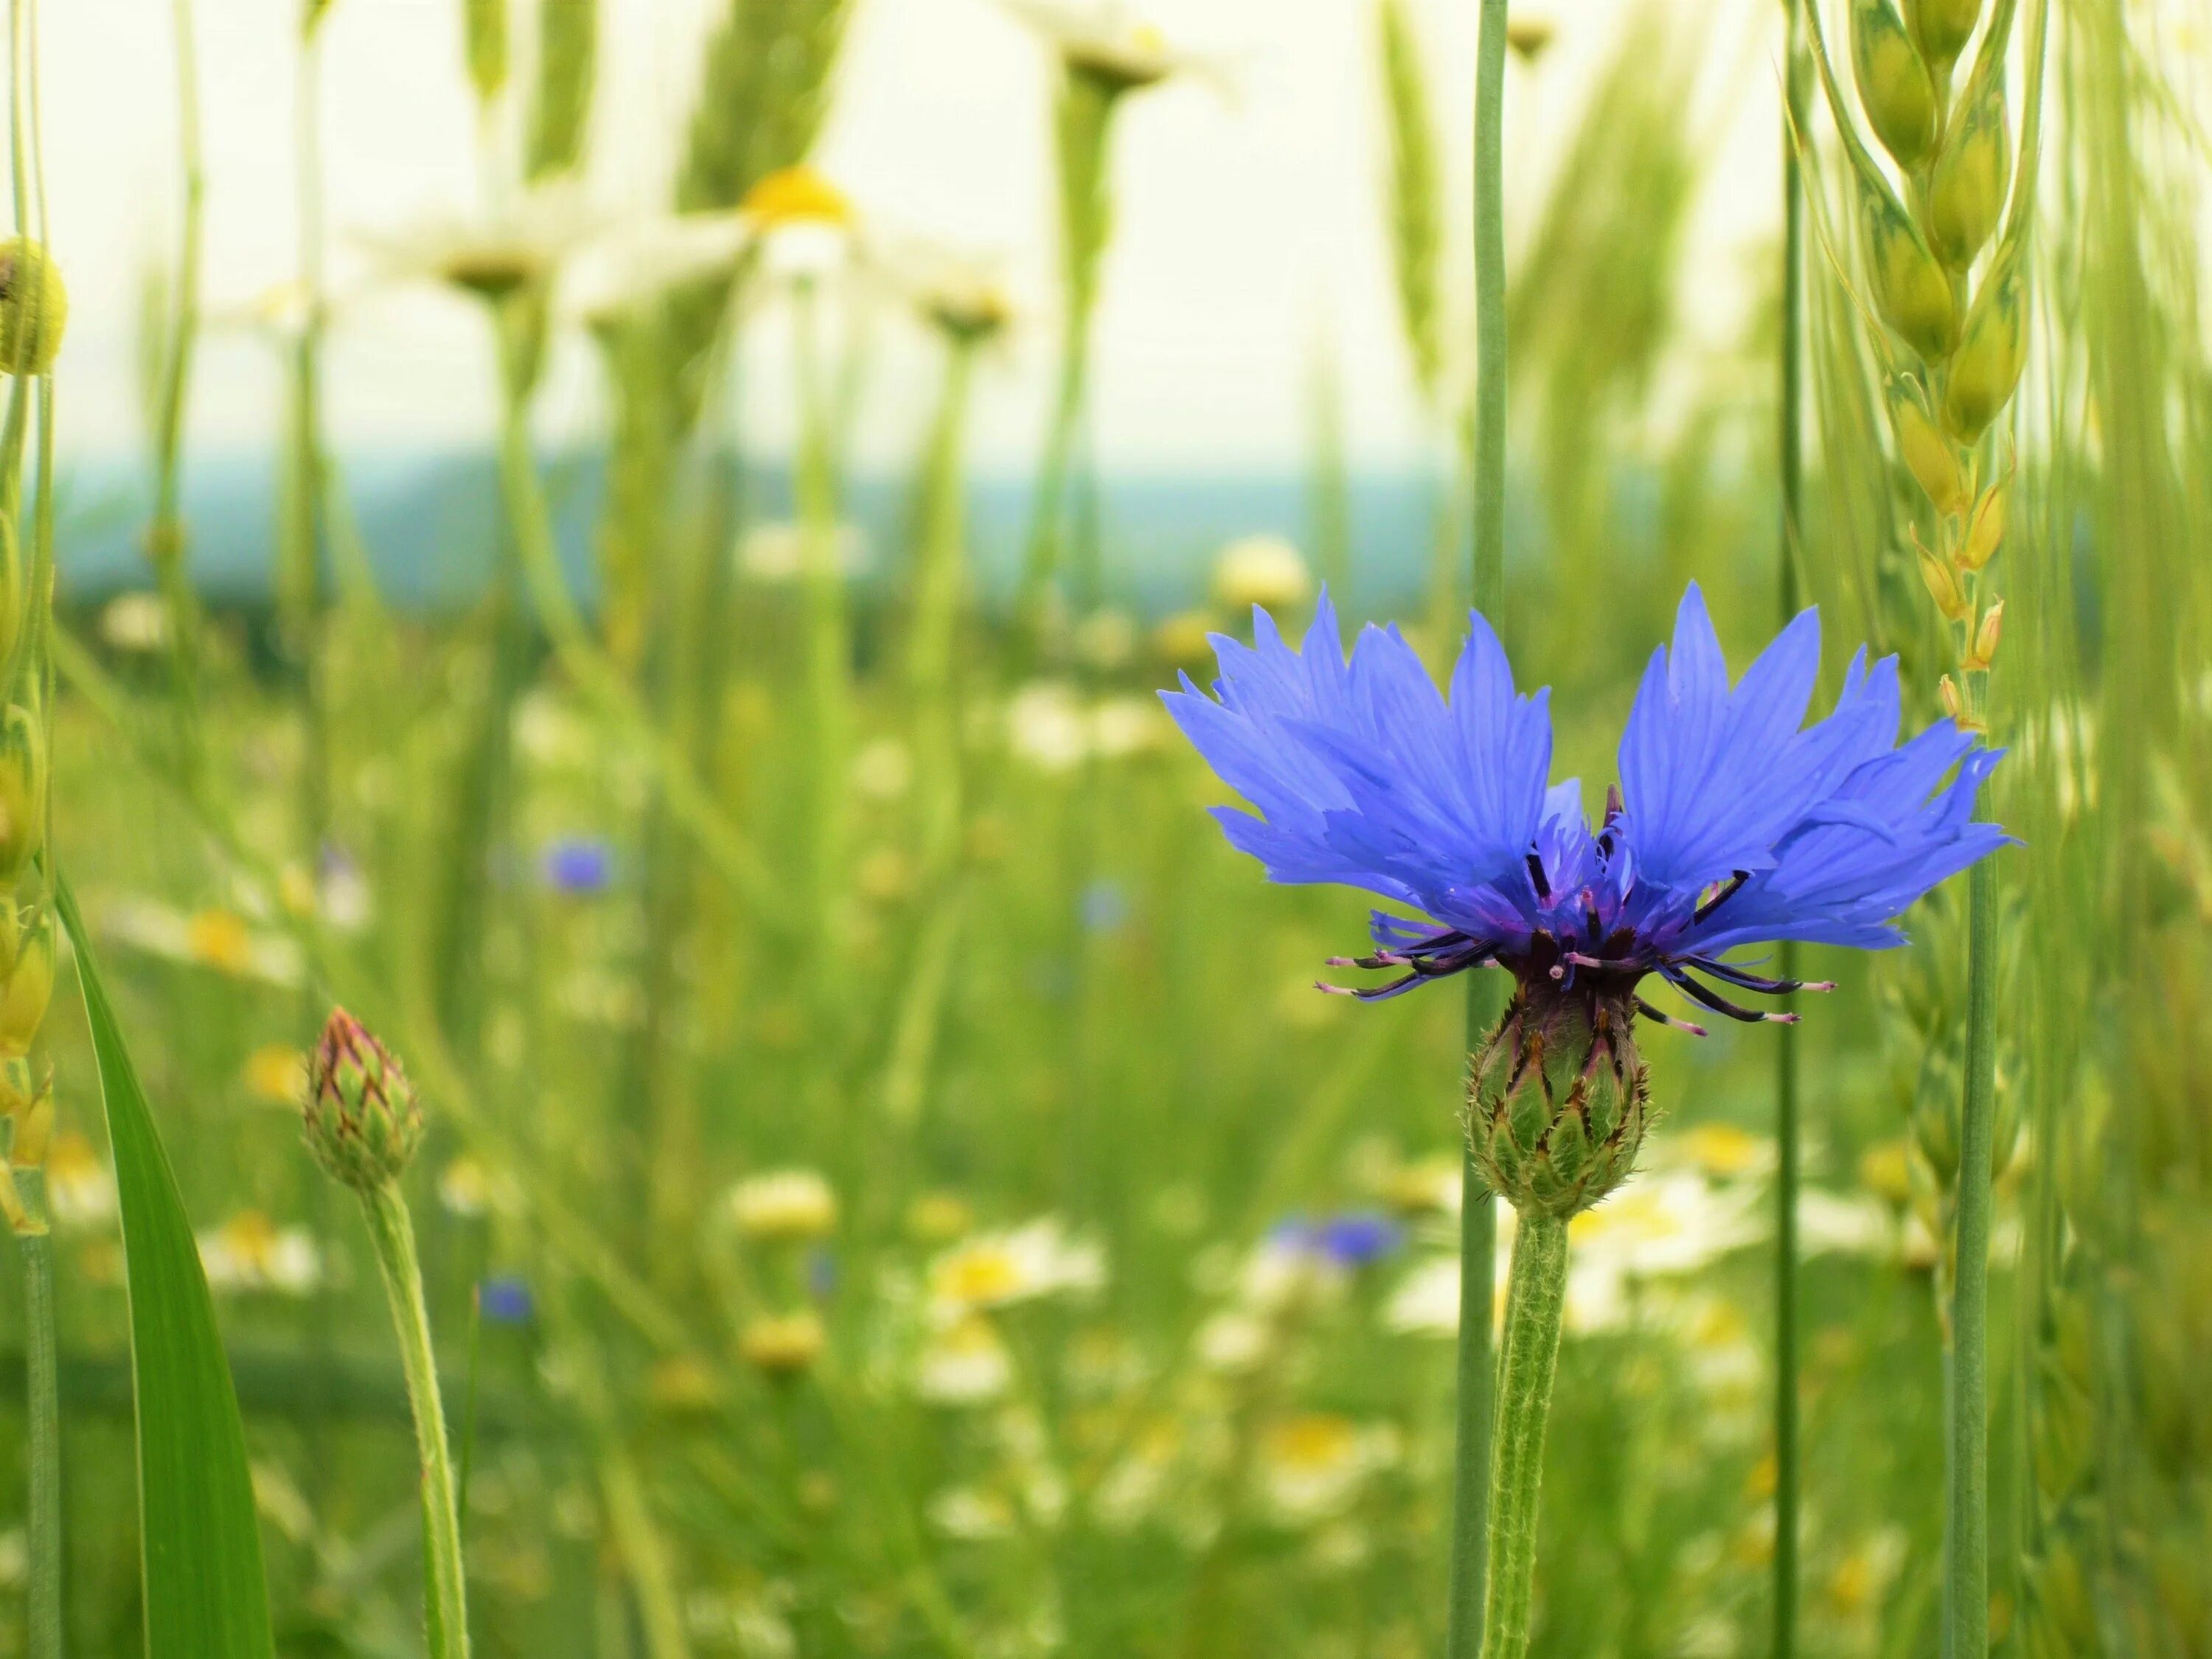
{"points": [[1559, 1098], [1893, 83], [361, 1121], [33, 307]]}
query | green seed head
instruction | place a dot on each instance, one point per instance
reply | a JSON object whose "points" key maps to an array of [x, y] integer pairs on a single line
{"points": [[33, 308], [1942, 29], [1966, 192], [1909, 289], [1994, 350], [361, 1121], [1560, 1099], [27, 975], [1893, 83]]}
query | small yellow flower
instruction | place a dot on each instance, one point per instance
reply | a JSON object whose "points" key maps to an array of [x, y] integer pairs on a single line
{"points": [[250, 1252], [80, 1187], [964, 1365], [783, 1344], [784, 1206], [796, 196], [1183, 640], [993, 1270], [220, 940], [1886, 1170], [1311, 1464], [1267, 571], [683, 1386], [1724, 1149], [277, 1073], [939, 1218]]}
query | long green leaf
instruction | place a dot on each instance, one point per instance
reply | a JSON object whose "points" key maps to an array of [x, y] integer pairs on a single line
{"points": [[200, 1542]]}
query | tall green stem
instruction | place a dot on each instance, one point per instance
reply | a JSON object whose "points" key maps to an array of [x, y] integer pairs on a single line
{"points": [[393, 1234], [828, 645], [164, 534], [1084, 126], [1535, 1302], [1966, 1600], [1791, 420], [42, 1411], [1472, 1453]]}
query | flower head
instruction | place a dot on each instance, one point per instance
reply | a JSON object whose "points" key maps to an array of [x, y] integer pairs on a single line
{"points": [[1103, 42], [361, 1121], [1733, 822]]}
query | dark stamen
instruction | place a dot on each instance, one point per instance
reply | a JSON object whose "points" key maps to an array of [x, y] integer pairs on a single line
{"points": [[1719, 1004], [1665, 1019], [1727, 892], [1536, 875], [1749, 981]]}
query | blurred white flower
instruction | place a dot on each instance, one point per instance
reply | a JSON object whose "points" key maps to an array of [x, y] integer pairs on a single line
{"points": [[959, 294], [250, 1252], [136, 620], [1311, 1466], [965, 1363], [216, 939], [79, 1186], [1107, 41], [1234, 1342], [1658, 1226], [1050, 725], [492, 256], [469, 1186], [995, 1270], [776, 551], [971, 1514], [1267, 571]]}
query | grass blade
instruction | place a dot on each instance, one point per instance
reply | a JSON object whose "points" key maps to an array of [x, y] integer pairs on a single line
{"points": [[206, 1596]]}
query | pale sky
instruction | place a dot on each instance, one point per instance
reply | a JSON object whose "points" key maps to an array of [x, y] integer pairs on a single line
{"points": [[1251, 225]]}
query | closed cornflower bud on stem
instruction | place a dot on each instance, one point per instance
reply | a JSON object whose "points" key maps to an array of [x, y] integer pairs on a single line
{"points": [[363, 1126], [1558, 1098], [361, 1120]]}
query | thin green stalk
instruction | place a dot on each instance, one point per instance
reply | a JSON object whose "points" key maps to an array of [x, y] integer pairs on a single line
{"points": [[42, 1414], [691, 802], [392, 1234], [1535, 1303], [1967, 1600], [1471, 1547], [1084, 130], [1791, 420], [164, 534], [828, 644]]}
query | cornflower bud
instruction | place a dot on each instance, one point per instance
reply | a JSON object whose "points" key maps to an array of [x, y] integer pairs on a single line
{"points": [[1893, 85], [1927, 455], [1943, 28], [1994, 350], [22, 792], [1983, 650], [26, 976], [1910, 291], [1985, 531], [1942, 581], [1559, 1098], [1967, 190], [33, 308], [361, 1121]]}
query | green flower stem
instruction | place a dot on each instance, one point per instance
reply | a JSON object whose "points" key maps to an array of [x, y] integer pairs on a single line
{"points": [[828, 642], [1797, 93], [1966, 1600], [1534, 1303], [1084, 126], [939, 588], [1473, 1450], [689, 801], [42, 1428], [393, 1234]]}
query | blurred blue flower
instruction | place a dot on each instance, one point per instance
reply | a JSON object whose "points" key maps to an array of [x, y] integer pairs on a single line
{"points": [[578, 864], [1734, 821], [505, 1299], [821, 1272], [1359, 1238], [1105, 907]]}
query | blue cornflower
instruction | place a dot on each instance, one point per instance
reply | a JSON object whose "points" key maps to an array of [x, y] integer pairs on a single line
{"points": [[505, 1299], [1351, 1239], [1734, 821], [578, 864]]}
